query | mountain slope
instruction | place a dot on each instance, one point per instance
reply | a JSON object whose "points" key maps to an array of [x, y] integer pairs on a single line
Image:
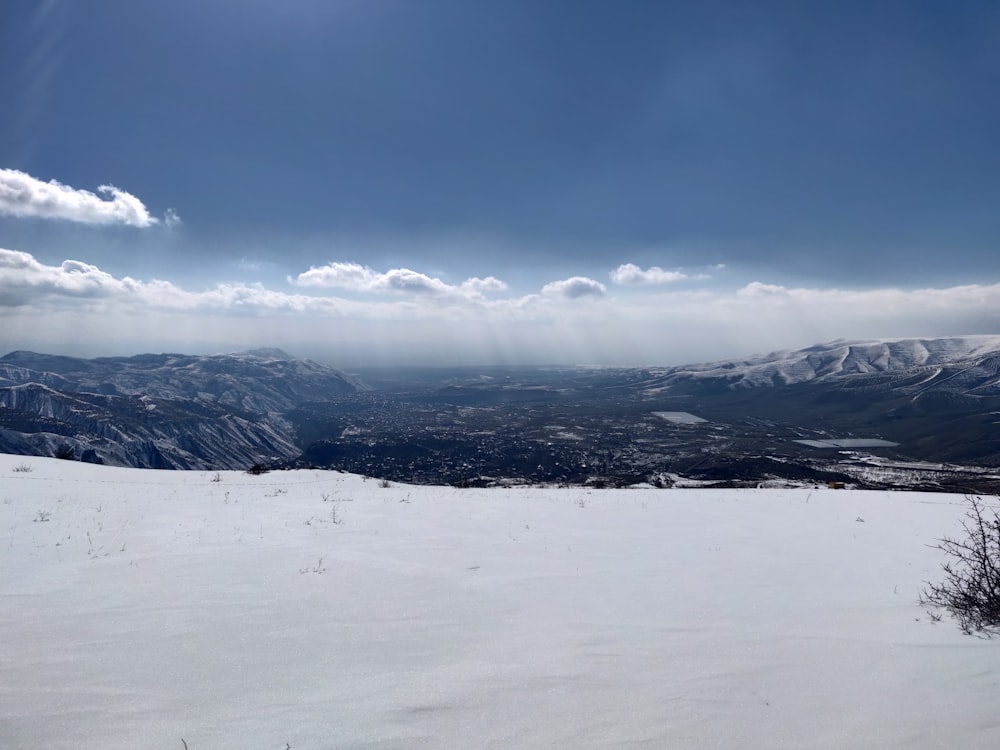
{"points": [[938, 398], [160, 410], [262, 380], [908, 358]]}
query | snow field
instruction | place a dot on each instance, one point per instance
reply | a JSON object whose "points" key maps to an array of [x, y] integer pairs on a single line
{"points": [[319, 610]]}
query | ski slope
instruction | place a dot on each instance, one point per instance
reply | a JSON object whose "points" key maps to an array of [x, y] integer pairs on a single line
{"points": [[310, 609]]}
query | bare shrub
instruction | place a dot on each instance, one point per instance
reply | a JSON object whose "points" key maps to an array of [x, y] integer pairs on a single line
{"points": [[23, 468], [971, 587]]}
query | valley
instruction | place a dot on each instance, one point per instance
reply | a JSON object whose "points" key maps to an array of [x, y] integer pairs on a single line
{"points": [[606, 428], [909, 414]]}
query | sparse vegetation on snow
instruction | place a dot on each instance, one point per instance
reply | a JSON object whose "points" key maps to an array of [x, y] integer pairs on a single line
{"points": [[313, 609], [970, 590]]}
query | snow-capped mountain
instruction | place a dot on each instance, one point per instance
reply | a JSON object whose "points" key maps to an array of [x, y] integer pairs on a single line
{"points": [[923, 361], [160, 410], [261, 380]]}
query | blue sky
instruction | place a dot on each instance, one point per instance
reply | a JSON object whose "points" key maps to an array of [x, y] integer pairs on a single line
{"points": [[455, 181]]}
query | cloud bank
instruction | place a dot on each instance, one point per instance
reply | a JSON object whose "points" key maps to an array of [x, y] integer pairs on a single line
{"points": [[405, 317], [22, 195]]}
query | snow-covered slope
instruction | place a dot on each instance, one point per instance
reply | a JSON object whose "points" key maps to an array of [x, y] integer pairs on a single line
{"points": [[319, 610], [258, 381], [849, 358], [161, 410]]}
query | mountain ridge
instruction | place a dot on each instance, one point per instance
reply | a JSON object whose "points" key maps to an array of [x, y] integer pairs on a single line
{"points": [[841, 358]]}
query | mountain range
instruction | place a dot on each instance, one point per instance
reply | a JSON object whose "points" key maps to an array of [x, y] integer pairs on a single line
{"points": [[934, 399]]}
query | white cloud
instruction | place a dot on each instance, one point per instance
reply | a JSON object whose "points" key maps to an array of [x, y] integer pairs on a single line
{"points": [[22, 278], [405, 280], [171, 218], [351, 276], [757, 289], [22, 195], [575, 287], [47, 306], [357, 278], [25, 282], [629, 273], [489, 284]]}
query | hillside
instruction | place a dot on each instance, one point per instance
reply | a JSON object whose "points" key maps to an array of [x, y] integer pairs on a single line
{"points": [[847, 359], [160, 410], [313, 609]]}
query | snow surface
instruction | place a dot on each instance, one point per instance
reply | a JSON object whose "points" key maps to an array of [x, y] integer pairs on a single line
{"points": [[848, 443], [679, 417], [141, 608]]}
